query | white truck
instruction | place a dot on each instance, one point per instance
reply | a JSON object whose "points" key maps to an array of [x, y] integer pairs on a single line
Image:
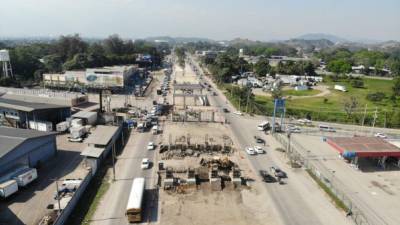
{"points": [[41, 126], [8, 188], [62, 127], [76, 122], [77, 132], [26, 177], [340, 87]]}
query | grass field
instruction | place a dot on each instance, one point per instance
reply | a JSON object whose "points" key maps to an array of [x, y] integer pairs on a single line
{"points": [[300, 93], [331, 107]]}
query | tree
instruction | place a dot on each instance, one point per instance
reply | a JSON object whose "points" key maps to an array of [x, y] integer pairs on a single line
{"points": [[79, 61], [52, 63], [350, 105], [309, 69], [262, 67], [25, 61], [277, 92], [396, 86], [339, 66], [114, 45], [68, 46]]}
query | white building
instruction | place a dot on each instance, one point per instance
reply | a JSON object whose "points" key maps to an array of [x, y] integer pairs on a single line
{"points": [[114, 76]]}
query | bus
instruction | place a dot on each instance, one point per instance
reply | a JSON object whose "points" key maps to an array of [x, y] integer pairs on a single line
{"points": [[323, 127], [134, 207], [263, 126]]}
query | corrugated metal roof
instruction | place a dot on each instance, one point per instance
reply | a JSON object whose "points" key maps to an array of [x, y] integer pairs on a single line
{"points": [[27, 106], [84, 114], [10, 138], [91, 151], [101, 135]]}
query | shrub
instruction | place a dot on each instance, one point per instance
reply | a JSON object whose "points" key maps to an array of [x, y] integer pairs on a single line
{"points": [[376, 97]]}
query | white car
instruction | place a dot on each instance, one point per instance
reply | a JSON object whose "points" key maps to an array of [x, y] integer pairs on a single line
{"points": [[259, 150], [150, 146], [304, 121], [293, 129], [238, 113], [380, 135], [145, 163], [250, 151]]}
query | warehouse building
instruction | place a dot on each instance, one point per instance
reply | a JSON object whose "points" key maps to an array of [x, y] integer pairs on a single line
{"points": [[21, 147], [112, 77], [18, 114], [44, 96]]}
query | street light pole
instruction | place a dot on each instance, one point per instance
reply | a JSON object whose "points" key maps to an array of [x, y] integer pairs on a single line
{"points": [[58, 198], [113, 160]]}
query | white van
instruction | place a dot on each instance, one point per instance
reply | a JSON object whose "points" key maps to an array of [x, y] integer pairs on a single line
{"points": [[327, 128], [263, 126]]}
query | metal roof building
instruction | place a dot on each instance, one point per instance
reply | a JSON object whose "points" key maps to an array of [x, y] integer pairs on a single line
{"points": [[18, 113], [21, 147], [100, 142]]}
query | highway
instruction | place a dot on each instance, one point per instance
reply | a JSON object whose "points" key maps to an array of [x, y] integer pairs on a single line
{"points": [[292, 204]]}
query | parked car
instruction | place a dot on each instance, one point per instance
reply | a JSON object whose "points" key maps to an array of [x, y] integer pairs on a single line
{"points": [[259, 140], [267, 177], [259, 150], [145, 163], [225, 110], [150, 146], [238, 113], [278, 172], [250, 151], [380, 135], [293, 129]]}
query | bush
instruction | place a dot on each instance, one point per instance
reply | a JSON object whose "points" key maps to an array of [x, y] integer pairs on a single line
{"points": [[376, 97], [357, 83]]}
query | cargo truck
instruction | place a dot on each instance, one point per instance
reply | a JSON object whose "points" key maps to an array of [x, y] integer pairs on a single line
{"points": [[8, 188], [62, 127], [25, 177], [41, 126]]}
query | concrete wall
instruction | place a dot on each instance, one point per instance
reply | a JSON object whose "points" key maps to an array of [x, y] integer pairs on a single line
{"points": [[30, 153], [74, 200]]}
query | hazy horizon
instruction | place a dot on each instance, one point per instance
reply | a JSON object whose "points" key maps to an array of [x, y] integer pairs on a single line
{"points": [[221, 20]]}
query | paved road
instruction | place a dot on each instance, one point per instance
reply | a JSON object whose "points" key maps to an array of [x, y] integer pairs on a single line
{"points": [[112, 207], [292, 205], [111, 210]]}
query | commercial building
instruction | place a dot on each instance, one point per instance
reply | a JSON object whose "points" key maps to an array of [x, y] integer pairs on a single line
{"points": [[17, 113], [44, 96], [106, 77], [354, 148], [21, 147]]}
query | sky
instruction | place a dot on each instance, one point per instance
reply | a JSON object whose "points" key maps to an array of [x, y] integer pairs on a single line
{"points": [[215, 19]]}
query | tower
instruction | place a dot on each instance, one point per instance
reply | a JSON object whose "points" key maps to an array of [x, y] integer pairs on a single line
{"points": [[6, 64]]}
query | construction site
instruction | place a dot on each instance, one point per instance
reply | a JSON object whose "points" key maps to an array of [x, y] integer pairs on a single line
{"points": [[201, 170]]}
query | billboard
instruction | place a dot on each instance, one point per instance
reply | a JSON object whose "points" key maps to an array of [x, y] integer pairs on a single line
{"points": [[104, 80]]}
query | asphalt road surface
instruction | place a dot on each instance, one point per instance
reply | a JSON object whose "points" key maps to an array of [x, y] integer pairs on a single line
{"points": [[292, 204]]}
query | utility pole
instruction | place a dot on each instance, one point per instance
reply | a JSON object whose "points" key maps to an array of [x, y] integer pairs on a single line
{"points": [[365, 113], [58, 198], [247, 100], [113, 160], [375, 117]]}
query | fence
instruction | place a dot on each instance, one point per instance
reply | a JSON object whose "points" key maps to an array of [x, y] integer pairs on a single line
{"points": [[295, 152]]}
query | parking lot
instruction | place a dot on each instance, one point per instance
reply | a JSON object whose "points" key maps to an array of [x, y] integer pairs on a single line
{"points": [[375, 190], [29, 206]]}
